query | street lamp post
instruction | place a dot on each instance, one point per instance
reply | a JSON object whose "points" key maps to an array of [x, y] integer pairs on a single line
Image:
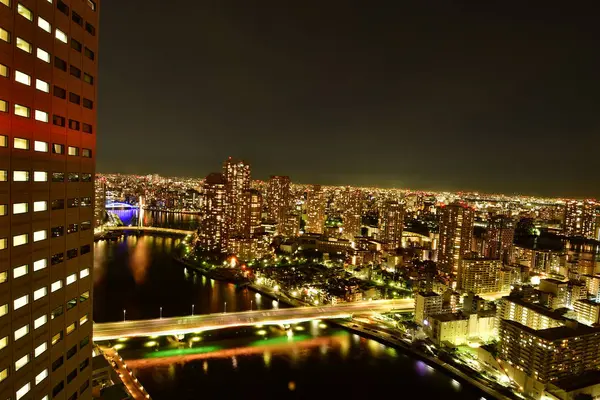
{"points": [[225, 308], [192, 309], [124, 312], [251, 305], [161, 313]]}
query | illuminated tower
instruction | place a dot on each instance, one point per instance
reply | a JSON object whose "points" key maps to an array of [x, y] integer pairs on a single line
{"points": [[213, 232], [237, 180], [251, 212], [100, 201], [352, 213], [278, 199], [48, 73], [315, 209], [501, 234], [580, 218], [392, 224], [456, 234]]}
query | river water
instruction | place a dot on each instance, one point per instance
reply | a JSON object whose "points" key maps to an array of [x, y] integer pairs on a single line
{"points": [[314, 360]]}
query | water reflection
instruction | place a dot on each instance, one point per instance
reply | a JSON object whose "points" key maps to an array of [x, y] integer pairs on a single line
{"points": [[159, 219]]}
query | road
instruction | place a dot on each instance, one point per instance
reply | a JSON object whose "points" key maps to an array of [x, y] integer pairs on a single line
{"points": [[133, 386], [198, 323]]}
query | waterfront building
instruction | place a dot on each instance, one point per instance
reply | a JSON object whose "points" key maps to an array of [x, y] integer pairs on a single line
{"points": [[237, 180], [459, 328], [48, 93], [479, 275], [213, 233], [278, 200], [580, 218], [392, 224], [427, 304], [456, 234], [315, 210], [531, 315]]}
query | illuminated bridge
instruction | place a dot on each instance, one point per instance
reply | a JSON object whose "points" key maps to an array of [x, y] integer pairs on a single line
{"points": [[149, 229], [199, 323], [119, 205]]}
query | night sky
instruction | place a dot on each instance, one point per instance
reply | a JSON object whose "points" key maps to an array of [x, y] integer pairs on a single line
{"points": [[438, 95]]}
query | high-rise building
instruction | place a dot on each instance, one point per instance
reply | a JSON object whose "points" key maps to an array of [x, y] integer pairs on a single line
{"points": [[479, 275], [531, 315], [251, 212], [426, 304], [48, 76], [501, 234], [587, 311], [100, 201], [580, 218], [315, 210], [456, 234], [213, 232], [392, 224], [278, 199], [291, 224], [351, 213], [237, 181]]}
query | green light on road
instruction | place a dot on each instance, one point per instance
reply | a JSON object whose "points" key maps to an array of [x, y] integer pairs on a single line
{"points": [[182, 352]]}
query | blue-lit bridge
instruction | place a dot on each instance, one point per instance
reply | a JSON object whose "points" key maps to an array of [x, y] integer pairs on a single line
{"points": [[119, 205], [149, 229], [199, 323]]}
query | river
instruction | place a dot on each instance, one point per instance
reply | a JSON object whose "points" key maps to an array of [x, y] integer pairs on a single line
{"points": [[135, 277]]}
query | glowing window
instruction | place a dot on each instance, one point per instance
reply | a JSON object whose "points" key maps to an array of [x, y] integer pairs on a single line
{"points": [[60, 35], [39, 322], [83, 273], [21, 302], [42, 86], [41, 205], [3, 344], [73, 151], [40, 235], [24, 11], [21, 362], [22, 111], [3, 310], [20, 271], [40, 264], [83, 320], [40, 293], [41, 116], [45, 25], [3, 71], [4, 35], [22, 78], [3, 106], [40, 349], [4, 372], [19, 240], [20, 208], [40, 146], [56, 286], [71, 278], [24, 45], [40, 176], [20, 176], [70, 328], [20, 143], [23, 391], [41, 376], [43, 55]]}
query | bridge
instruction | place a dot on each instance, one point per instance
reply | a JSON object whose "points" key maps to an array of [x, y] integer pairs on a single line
{"points": [[149, 229], [199, 323], [118, 204]]}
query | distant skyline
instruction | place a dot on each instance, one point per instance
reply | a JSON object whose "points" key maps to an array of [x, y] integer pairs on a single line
{"points": [[495, 98]]}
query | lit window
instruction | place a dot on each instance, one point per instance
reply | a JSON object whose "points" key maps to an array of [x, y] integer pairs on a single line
{"points": [[22, 78], [70, 328], [24, 45], [41, 321], [40, 235], [21, 362], [19, 240], [40, 264], [3, 344], [20, 302], [3, 106], [23, 391], [55, 286], [22, 111], [20, 176], [40, 146], [3, 310], [92, 4], [20, 208], [3, 210], [4, 35], [41, 376], [3, 276], [73, 151], [41, 205], [43, 55], [3, 71], [42, 86], [83, 320], [41, 292], [5, 2], [22, 144], [56, 338], [40, 176], [40, 349], [71, 278], [20, 271], [3, 175], [45, 25], [60, 35], [3, 245], [25, 12], [83, 273], [41, 116]]}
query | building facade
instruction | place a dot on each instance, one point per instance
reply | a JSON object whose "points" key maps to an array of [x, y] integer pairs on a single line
{"points": [[352, 213], [580, 218], [479, 275], [278, 199], [456, 234], [315, 210], [237, 181], [392, 224], [213, 233], [531, 315], [252, 203], [48, 77], [427, 304]]}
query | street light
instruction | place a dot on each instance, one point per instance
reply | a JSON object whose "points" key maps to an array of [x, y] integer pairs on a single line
{"points": [[225, 308], [124, 312], [161, 313], [251, 305], [192, 309]]}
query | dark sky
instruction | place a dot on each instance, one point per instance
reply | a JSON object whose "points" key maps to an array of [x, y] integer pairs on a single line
{"points": [[496, 97]]}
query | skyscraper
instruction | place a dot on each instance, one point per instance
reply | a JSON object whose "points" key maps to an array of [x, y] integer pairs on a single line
{"points": [[251, 212], [213, 232], [456, 234], [352, 213], [479, 275], [315, 209], [580, 218], [48, 71], [392, 224], [100, 201], [501, 234], [237, 180], [278, 199]]}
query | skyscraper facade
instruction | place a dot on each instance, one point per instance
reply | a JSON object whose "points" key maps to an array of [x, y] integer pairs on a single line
{"points": [[315, 210], [278, 199], [501, 235], [456, 234], [48, 76], [392, 224], [580, 218], [237, 180], [213, 232], [352, 213], [251, 212]]}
